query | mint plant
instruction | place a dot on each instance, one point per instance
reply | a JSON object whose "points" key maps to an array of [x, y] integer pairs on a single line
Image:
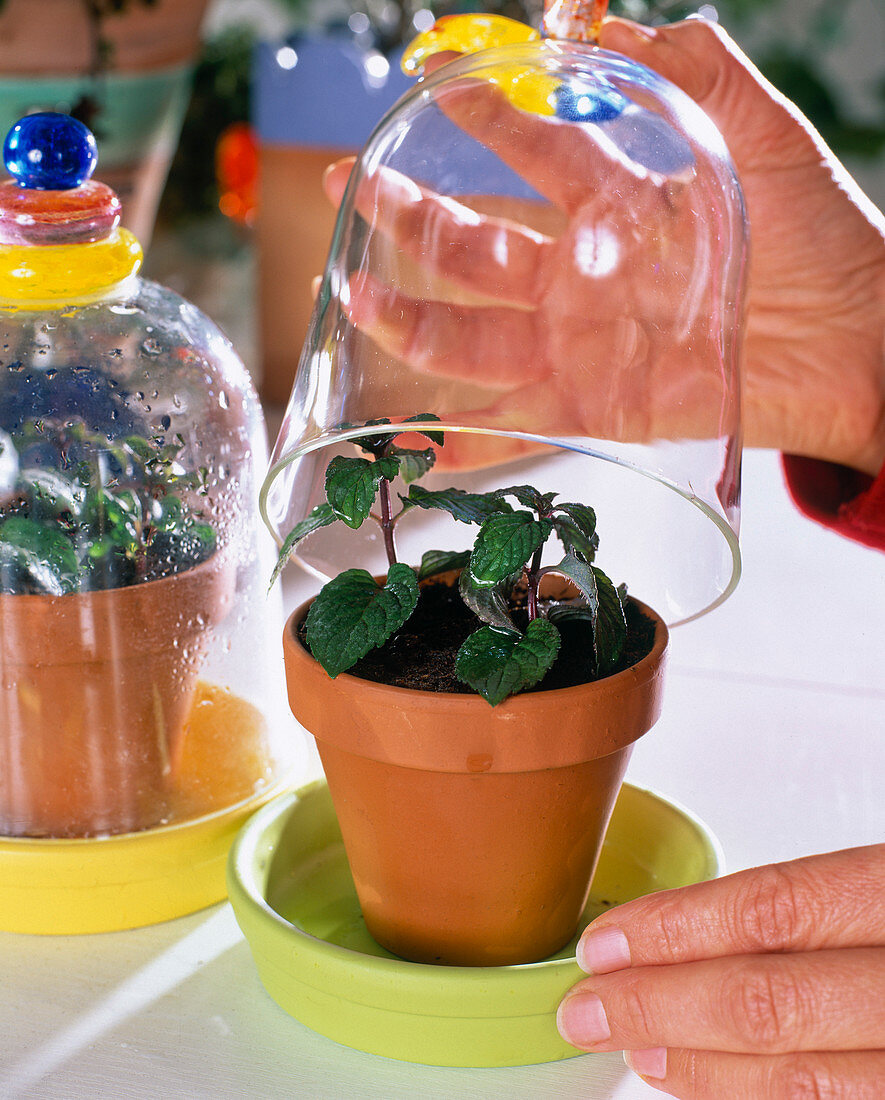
{"points": [[80, 511], [499, 578]]}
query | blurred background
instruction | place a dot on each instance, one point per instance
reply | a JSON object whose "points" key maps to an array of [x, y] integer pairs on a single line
{"points": [[216, 118]]}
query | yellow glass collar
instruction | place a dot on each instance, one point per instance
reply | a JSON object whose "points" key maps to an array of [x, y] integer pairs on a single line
{"points": [[59, 275]]}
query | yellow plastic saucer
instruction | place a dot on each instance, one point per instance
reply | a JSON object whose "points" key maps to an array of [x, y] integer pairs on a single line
{"points": [[293, 896], [110, 883]]}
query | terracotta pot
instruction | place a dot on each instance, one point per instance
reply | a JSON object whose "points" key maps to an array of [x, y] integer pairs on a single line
{"points": [[95, 690], [473, 831]]}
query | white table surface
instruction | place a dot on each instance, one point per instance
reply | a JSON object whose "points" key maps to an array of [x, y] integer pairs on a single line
{"points": [[772, 733]]}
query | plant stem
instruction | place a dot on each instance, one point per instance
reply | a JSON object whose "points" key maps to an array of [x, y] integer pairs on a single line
{"points": [[532, 583], [386, 521]]}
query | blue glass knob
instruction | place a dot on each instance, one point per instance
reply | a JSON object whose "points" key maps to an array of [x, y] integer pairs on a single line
{"points": [[50, 152], [595, 103]]}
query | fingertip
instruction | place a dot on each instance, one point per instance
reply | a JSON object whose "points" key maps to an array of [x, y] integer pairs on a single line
{"points": [[335, 179], [650, 1063], [689, 53], [437, 60], [625, 36], [603, 951]]}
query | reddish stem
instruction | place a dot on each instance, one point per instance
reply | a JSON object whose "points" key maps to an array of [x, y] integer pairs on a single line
{"points": [[386, 521]]}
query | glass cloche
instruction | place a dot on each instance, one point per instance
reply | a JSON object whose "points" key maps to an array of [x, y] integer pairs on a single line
{"points": [[138, 687], [542, 245]]}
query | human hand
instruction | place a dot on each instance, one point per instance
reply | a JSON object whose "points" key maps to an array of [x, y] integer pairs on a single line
{"points": [[814, 381], [571, 321], [814, 374], [763, 985]]}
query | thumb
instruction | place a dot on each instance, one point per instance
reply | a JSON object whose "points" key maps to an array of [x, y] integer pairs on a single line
{"points": [[699, 57]]}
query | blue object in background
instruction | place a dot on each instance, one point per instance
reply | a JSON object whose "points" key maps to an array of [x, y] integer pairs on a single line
{"points": [[322, 91]]}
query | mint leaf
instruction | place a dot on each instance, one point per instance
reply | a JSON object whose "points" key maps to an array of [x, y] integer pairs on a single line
{"points": [[498, 664], [582, 575], [42, 554], [489, 604], [504, 544], [574, 540], [462, 506], [610, 635], [413, 464], [434, 562], [385, 467], [582, 514], [321, 516], [376, 443], [434, 437], [528, 496], [351, 485], [577, 529], [353, 614], [371, 444]]}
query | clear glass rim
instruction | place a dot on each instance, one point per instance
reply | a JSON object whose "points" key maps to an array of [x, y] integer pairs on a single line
{"points": [[346, 435]]}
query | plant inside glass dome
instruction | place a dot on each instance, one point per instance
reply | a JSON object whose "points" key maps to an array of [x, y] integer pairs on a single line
{"points": [[509, 633], [82, 512]]}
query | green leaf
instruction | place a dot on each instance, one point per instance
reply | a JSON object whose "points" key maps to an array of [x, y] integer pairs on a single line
{"points": [[351, 485], [434, 437], [51, 492], [577, 529], [528, 496], [371, 444], [489, 604], [582, 514], [434, 562], [573, 539], [353, 614], [582, 575], [571, 613], [610, 636], [498, 664], [504, 545], [321, 516], [42, 554], [386, 467], [462, 506], [376, 443], [413, 464]]}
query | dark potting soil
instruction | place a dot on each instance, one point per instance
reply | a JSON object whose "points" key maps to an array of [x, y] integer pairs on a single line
{"points": [[421, 655]]}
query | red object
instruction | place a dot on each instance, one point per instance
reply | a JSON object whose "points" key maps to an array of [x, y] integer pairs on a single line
{"points": [[236, 169], [845, 500], [77, 215]]}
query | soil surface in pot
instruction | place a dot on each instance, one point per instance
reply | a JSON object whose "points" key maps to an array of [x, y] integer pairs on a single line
{"points": [[421, 655]]}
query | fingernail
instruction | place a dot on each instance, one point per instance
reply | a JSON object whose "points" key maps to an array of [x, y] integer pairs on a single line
{"points": [[603, 951], [581, 1020], [648, 1063]]}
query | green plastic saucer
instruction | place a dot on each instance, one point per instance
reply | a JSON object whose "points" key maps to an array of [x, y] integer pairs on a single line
{"points": [[291, 889]]}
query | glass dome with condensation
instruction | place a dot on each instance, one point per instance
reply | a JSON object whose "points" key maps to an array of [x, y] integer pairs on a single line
{"points": [[137, 687], [542, 245]]}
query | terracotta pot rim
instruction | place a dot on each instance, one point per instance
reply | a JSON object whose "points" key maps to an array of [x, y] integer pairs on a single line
{"points": [[214, 560], [451, 699]]}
